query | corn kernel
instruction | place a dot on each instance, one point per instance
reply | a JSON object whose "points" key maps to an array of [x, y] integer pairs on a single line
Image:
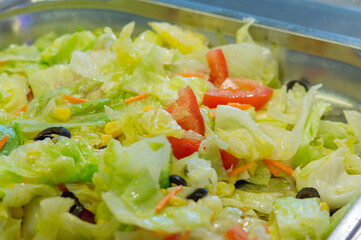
{"points": [[61, 114], [224, 189], [29, 141], [324, 206], [177, 201], [164, 192], [17, 212], [113, 128], [105, 138]]}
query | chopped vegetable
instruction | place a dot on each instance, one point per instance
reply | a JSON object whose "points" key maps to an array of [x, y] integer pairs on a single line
{"points": [[74, 99], [136, 98], [3, 141], [165, 200], [241, 169]]}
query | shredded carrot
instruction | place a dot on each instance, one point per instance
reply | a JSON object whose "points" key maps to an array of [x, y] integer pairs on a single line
{"points": [[3, 62], [241, 169], [178, 236], [272, 168], [186, 235], [164, 234], [136, 98], [23, 109], [213, 114], [166, 199], [239, 105], [280, 166], [198, 75], [265, 226], [3, 141], [74, 99]]}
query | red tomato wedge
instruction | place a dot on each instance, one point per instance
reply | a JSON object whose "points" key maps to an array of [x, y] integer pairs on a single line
{"points": [[183, 147], [186, 111], [252, 92], [228, 159], [236, 233], [218, 65]]}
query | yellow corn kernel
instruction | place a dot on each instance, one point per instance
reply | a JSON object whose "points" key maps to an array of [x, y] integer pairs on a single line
{"points": [[101, 221], [113, 128], [225, 189], [324, 206], [177, 201], [148, 108], [105, 138], [29, 141], [61, 114], [17, 212], [164, 192]]}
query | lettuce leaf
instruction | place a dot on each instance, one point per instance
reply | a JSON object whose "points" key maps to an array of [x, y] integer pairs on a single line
{"points": [[244, 136], [13, 91], [329, 176], [183, 40], [60, 50], [300, 218]]}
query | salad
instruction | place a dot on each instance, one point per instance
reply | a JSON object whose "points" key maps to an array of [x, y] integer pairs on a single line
{"points": [[107, 135]]}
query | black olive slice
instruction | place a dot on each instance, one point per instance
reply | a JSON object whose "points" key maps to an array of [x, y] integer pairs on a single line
{"points": [[49, 133], [77, 208], [240, 183], [308, 192], [103, 147], [198, 194], [293, 82], [177, 180]]}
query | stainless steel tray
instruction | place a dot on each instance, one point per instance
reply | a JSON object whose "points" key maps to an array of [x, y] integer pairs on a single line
{"points": [[302, 55]]}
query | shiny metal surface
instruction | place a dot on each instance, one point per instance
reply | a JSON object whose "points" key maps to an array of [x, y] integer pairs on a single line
{"points": [[302, 56]]}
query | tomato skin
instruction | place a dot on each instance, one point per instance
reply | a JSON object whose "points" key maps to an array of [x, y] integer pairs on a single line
{"points": [[236, 233], [218, 65], [228, 159], [256, 94], [186, 111], [183, 147]]}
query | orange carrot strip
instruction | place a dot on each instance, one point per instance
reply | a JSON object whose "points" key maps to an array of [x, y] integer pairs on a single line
{"points": [[213, 114], [186, 235], [198, 75], [281, 166], [166, 199], [4, 140], [3, 62], [272, 168], [241, 169], [239, 105], [136, 98], [74, 99], [23, 109]]}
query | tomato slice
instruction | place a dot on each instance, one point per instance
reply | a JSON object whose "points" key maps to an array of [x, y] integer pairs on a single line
{"points": [[183, 147], [186, 111], [230, 85], [236, 233], [218, 65], [228, 159], [252, 92]]}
